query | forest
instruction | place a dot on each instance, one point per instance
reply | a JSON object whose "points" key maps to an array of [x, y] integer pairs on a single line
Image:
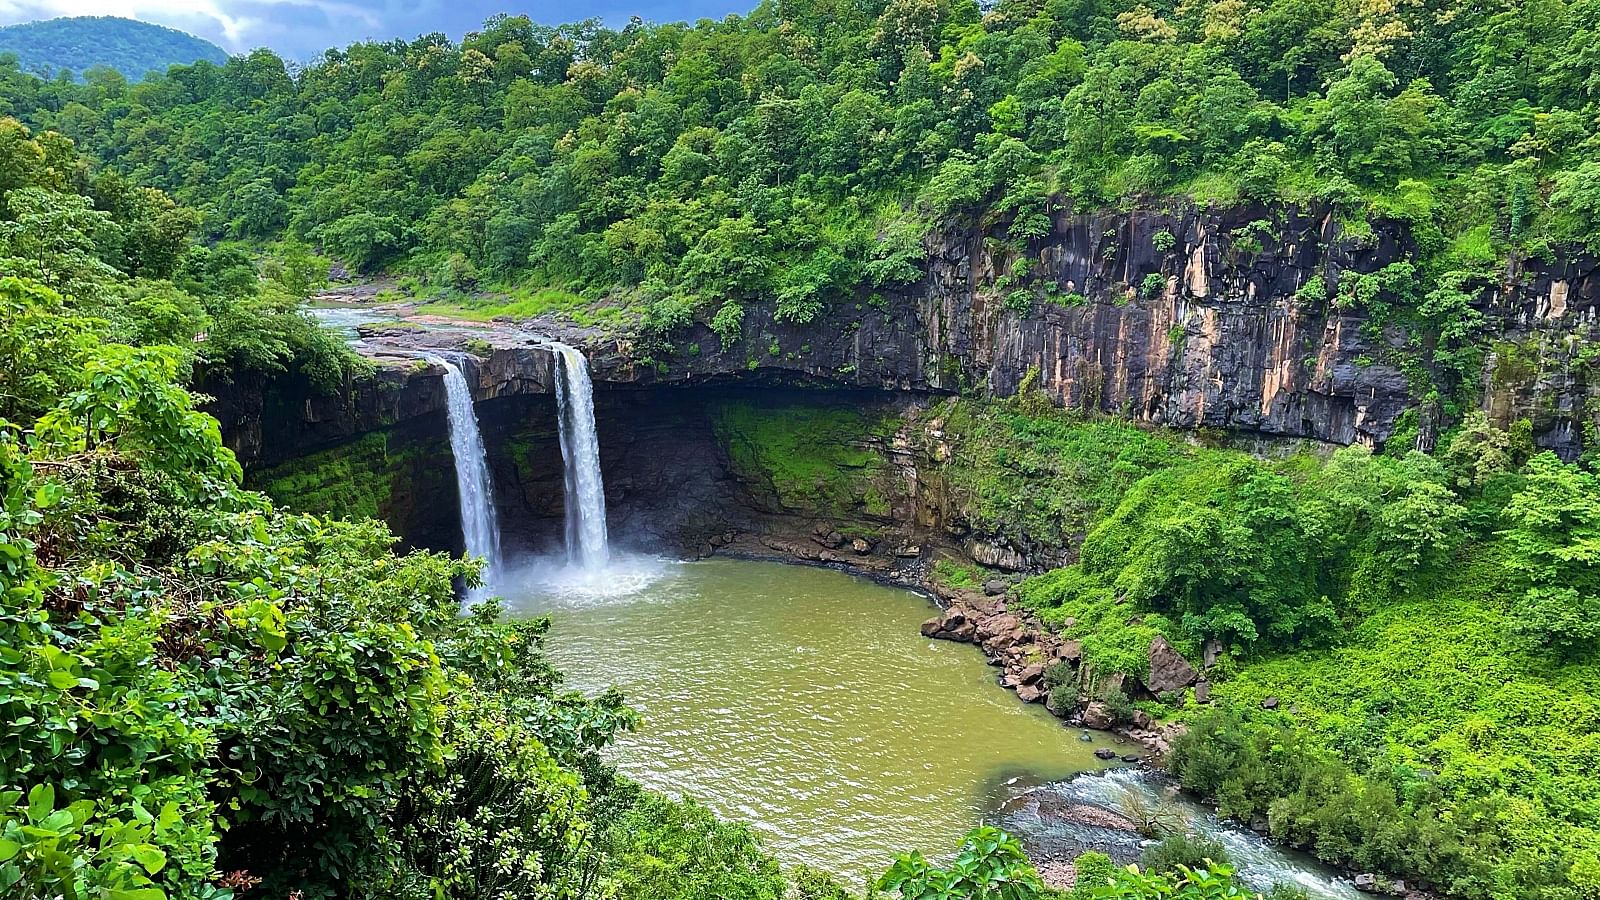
{"points": [[204, 694], [68, 48]]}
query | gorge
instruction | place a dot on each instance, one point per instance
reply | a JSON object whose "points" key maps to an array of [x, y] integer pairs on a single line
{"points": [[1185, 415]]}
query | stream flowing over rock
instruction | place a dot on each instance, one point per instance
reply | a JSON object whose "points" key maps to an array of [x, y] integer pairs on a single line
{"points": [[1100, 812]]}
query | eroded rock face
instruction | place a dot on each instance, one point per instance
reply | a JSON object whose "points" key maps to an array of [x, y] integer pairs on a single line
{"points": [[1169, 671], [1185, 317]]}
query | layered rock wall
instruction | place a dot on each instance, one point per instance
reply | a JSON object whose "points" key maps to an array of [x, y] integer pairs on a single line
{"points": [[1185, 317]]}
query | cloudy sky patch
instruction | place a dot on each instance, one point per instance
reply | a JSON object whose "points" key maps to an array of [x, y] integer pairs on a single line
{"points": [[301, 29]]}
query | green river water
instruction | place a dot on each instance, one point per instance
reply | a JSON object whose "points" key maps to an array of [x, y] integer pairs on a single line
{"points": [[804, 702]]}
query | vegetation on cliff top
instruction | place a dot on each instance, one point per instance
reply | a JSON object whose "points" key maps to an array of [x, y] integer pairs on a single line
{"points": [[119, 48], [795, 156]]}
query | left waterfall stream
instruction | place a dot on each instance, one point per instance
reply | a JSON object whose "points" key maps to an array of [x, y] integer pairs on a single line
{"points": [[480, 532]]}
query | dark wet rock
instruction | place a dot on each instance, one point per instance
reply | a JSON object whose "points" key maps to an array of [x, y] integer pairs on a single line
{"points": [[1131, 757], [1097, 715], [1169, 671], [833, 540], [1105, 753]]}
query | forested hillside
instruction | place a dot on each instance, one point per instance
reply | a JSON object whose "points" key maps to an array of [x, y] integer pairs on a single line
{"points": [[794, 156], [73, 46]]}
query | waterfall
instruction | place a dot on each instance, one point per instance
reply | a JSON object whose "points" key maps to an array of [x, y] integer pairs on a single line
{"points": [[479, 531], [580, 449]]}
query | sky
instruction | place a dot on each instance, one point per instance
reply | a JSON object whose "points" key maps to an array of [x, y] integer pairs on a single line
{"points": [[300, 29]]}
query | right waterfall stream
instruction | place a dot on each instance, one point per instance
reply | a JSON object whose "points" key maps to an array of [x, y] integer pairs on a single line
{"points": [[587, 546]]}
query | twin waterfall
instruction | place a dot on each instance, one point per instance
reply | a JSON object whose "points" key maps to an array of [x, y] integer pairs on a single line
{"points": [[587, 547], [580, 448], [480, 532]]}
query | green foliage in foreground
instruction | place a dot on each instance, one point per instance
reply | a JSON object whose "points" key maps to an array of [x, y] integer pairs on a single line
{"points": [[989, 865], [202, 693]]}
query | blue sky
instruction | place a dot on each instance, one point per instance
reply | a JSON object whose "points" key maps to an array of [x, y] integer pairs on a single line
{"points": [[300, 29]]}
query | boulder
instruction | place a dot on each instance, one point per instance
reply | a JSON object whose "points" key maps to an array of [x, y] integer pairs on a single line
{"points": [[1211, 652], [1202, 692], [1131, 757], [1030, 693], [1270, 703], [994, 587], [833, 540], [961, 634], [1097, 715], [933, 626], [1141, 719], [994, 625], [860, 547], [1071, 651], [1031, 673], [1366, 881], [1106, 753], [1169, 671]]}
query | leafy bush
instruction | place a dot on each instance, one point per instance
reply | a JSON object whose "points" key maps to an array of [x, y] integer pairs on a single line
{"points": [[1183, 850], [989, 865]]}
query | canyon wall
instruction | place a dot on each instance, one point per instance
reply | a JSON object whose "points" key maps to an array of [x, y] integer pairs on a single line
{"points": [[1187, 318], [1227, 339]]}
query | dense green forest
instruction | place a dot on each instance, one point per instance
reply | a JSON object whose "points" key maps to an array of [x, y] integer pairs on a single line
{"points": [[73, 46], [794, 156]]}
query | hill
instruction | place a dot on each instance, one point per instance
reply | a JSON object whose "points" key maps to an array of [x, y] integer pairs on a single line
{"points": [[76, 44]]}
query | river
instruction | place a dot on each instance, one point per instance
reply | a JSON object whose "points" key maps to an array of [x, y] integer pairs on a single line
{"points": [[804, 702]]}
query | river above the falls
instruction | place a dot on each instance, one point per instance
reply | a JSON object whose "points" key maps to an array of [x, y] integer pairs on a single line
{"points": [[804, 702]]}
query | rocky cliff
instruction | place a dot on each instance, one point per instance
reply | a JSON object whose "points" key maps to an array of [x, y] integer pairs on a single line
{"points": [[1186, 317]]}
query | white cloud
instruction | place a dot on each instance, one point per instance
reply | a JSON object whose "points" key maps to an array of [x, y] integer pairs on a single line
{"points": [[217, 20]]}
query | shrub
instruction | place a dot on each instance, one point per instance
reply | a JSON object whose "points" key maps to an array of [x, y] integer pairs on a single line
{"points": [[1182, 849]]}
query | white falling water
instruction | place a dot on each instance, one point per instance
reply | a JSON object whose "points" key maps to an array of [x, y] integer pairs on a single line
{"points": [[580, 448], [480, 533]]}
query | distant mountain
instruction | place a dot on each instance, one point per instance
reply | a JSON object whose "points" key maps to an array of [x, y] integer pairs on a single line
{"points": [[75, 44]]}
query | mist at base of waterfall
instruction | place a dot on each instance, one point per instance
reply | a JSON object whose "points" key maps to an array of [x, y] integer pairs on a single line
{"points": [[560, 582]]}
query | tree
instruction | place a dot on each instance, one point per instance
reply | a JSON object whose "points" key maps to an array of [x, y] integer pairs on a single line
{"points": [[990, 865]]}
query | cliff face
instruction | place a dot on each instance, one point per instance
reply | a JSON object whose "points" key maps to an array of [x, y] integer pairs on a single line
{"points": [[1188, 318]]}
